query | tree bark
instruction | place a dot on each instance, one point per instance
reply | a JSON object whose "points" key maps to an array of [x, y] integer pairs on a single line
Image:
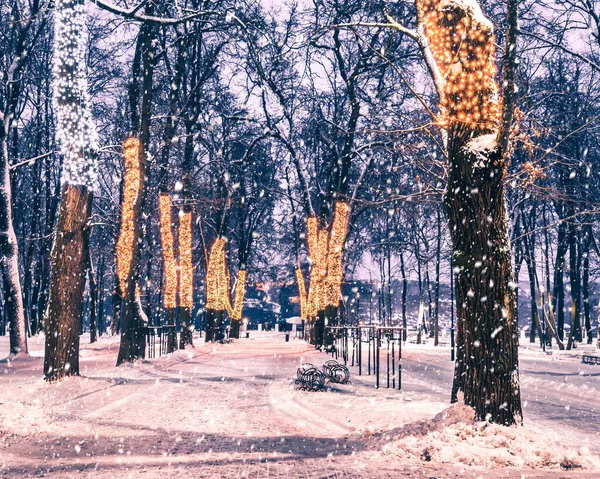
{"points": [[487, 357], [574, 279], [404, 291], [9, 262], [559, 289], [93, 287], [67, 283], [133, 340]]}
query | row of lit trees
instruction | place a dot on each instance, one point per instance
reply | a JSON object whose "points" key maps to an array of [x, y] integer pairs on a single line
{"points": [[327, 138]]}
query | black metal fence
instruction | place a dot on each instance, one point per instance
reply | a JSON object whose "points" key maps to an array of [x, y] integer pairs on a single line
{"points": [[377, 349], [161, 340]]}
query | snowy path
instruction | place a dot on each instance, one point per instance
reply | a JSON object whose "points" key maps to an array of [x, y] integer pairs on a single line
{"points": [[218, 411]]}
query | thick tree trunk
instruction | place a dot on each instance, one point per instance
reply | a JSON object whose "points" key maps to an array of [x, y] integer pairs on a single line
{"points": [[172, 330], [234, 328], [67, 283], [487, 360], [9, 262], [133, 339], [186, 278], [210, 324]]}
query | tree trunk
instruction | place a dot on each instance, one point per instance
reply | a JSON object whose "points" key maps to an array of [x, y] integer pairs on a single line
{"points": [[172, 330], [186, 278], [93, 286], [211, 321], [586, 294], [487, 358], [404, 291], [67, 283], [529, 243], [9, 262], [133, 340], [436, 324], [559, 288], [575, 283]]}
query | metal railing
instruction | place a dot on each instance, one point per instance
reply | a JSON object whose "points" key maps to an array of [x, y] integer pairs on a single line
{"points": [[161, 340], [359, 344]]}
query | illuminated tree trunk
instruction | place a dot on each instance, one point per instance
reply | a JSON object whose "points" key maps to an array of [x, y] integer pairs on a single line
{"points": [[170, 269], [486, 369], [133, 343], [186, 278], [67, 283], [76, 135], [216, 290]]}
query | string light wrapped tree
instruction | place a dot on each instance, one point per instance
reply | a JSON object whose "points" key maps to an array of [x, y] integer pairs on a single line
{"points": [[132, 339], [216, 288], [76, 136], [325, 249], [457, 42], [170, 266], [133, 320], [186, 277]]}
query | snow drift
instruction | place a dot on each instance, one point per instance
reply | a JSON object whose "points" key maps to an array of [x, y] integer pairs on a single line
{"points": [[455, 437]]}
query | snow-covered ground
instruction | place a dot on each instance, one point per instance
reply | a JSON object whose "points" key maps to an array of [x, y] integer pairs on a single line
{"points": [[232, 410]]}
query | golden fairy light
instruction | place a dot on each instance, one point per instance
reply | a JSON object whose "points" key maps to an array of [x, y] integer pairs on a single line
{"points": [[169, 261], [335, 252], [462, 44], [235, 312], [216, 277], [301, 293], [317, 250], [186, 268], [321, 270], [132, 182]]}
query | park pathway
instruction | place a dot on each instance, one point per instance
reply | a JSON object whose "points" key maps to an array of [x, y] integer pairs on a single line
{"points": [[219, 410]]}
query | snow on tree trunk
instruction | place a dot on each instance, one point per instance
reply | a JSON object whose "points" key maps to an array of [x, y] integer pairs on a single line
{"points": [[461, 41], [9, 257], [76, 136]]}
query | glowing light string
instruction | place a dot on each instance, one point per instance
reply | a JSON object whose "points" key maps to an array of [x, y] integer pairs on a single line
{"points": [[186, 267], [235, 312], [335, 252], [462, 44], [325, 248], [75, 131], [302, 294], [131, 189], [169, 260], [216, 277]]}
